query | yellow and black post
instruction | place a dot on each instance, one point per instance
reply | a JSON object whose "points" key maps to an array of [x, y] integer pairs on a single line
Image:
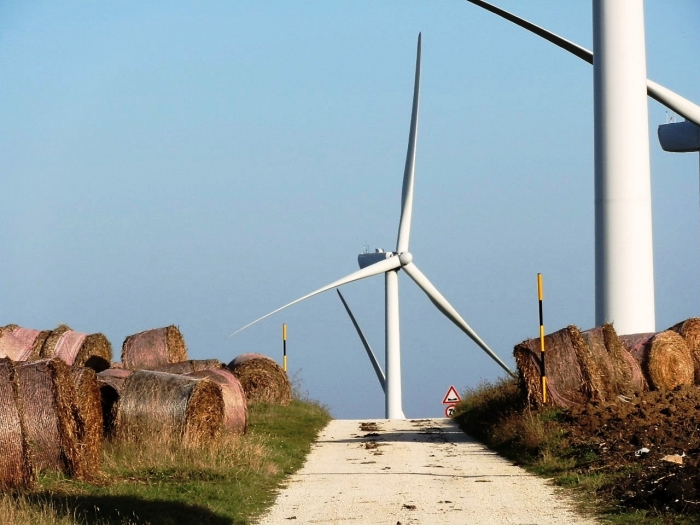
{"points": [[284, 347], [543, 372]]}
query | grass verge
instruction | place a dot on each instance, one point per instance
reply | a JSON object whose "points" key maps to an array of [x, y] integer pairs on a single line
{"points": [[228, 482], [539, 441]]}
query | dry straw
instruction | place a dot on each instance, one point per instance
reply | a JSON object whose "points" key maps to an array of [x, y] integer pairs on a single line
{"points": [[157, 403], [664, 358], [88, 416], [15, 465], [690, 331], [262, 379], [185, 367], [154, 348], [77, 348], [48, 400], [235, 405]]}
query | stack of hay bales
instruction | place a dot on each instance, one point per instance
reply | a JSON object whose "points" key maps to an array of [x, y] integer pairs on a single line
{"points": [[176, 407], [153, 348], [690, 331], [262, 379], [664, 358]]}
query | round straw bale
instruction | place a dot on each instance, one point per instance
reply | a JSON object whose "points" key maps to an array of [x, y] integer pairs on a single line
{"points": [[110, 382], [605, 378], [235, 405], [185, 367], [670, 364], [77, 348], [626, 371], [262, 379], [15, 465], [690, 331], [169, 405], [571, 371], [153, 348], [19, 344], [48, 401], [89, 418]]}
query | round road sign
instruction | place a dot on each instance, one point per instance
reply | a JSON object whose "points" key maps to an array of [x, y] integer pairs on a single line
{"points": [[450, 410]]}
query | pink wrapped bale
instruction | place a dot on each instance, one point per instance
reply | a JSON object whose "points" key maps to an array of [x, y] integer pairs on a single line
{"points": [[235, 405], [154, 348], [110, 383], [21, 344], [77, 348]]}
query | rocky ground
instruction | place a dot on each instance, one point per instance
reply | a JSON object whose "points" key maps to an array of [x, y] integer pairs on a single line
{"points": [[652, 441]]}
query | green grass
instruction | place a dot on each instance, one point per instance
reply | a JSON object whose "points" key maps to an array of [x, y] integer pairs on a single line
{"points": [[228, 482]]}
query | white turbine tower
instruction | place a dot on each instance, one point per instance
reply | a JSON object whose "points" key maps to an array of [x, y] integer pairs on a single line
{"points": [[624, 251], [389, 264]]}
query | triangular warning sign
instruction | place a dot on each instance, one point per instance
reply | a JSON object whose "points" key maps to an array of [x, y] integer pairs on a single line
{"points": [[451, 397]]}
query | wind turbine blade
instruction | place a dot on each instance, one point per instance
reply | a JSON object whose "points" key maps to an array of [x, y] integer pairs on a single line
{"points": [[382, 266], [377, 367], [446, 308], [661, 94], [410, 168]]}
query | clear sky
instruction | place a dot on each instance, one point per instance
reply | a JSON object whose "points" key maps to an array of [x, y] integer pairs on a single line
{"points": [[201, 164]]}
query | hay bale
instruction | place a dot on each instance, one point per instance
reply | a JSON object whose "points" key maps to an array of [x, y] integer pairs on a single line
{"points": [[690, 331], [110, 382], [627, 373], [153, 348], [235, 405], [161, 404], [88, 416], [193, 365], [48, 400], [573, 377], [77, 348], [21, 344], [262, 379], [15, 465], [664, 358]]}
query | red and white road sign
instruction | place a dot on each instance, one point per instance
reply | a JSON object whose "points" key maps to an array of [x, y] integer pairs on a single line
{"points": [[450, 410], [451, 397]]}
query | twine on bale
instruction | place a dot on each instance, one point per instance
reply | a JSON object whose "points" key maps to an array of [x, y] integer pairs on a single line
{"points": [[47, 395], [262, 379], [15, 466], [110, 383], [235, 405], [185, 367], [169, 405], [690, 331], [664, 358], [21, 344], [154, 348], [89, 418], [77, 348]]}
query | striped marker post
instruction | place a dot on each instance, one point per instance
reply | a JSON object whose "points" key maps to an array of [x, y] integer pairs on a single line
{"points": [[543, 373], [284, 347]]}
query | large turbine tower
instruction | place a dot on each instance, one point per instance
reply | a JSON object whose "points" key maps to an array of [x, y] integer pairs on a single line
{"points": [[389, 264]]}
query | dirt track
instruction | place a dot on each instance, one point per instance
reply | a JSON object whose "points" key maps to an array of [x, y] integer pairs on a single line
{"points": [[413, 472]]}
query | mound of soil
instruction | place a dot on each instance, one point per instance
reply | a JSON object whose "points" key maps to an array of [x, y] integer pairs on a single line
{"points": [[652, 441]]}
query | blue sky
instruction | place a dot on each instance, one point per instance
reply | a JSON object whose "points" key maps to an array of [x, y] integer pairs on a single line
{"points": [[201, 164]]}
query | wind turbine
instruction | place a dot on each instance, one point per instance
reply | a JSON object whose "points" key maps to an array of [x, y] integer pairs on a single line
{"points": [[389, 264]]}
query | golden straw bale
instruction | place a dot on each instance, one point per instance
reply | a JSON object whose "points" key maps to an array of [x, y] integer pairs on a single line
{"points": [[235, 405], [573, 376], [690, 331], [627, 373], [19, 344], [15, 465], [154, 348], [48, 401], [670, 364], [161, 404], [262, 379], [77, 348], [193, 365], [89, 418]]}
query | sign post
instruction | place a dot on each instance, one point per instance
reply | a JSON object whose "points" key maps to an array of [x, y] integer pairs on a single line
{"points": [[451, 399], [543, 372], [284, 347]]}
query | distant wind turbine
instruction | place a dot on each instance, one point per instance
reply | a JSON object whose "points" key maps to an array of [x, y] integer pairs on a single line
{"points": [[389, 264]]}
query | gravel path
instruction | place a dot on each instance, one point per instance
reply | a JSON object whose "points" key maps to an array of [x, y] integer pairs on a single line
{"points": [[413, 472]]}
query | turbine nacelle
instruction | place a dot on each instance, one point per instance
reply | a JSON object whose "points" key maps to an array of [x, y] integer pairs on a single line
{"points": [[368, 259]]}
